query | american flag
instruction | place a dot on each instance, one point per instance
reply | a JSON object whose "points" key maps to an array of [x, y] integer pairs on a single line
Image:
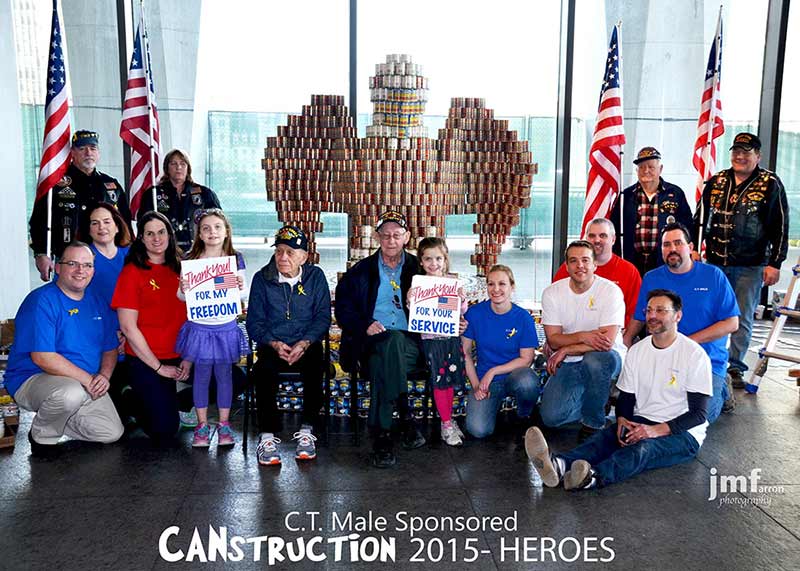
{"points": [[55, 147], [709, 124], [448, 302], [226, 281], [139, 114], [605, 154]]}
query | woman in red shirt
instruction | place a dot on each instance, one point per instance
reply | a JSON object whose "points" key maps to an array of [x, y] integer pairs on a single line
{"points": [[150, 316]]}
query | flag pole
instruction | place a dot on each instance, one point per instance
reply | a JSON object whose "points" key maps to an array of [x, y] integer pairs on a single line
{"points": [[146, 65], [712, 120], [622, 147]]}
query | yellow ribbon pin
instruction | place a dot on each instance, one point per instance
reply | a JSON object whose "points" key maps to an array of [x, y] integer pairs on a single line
{"points": [[672, 380], [591, 301], [73, 311], [300, 290], [395, 285], [154, 285], [511, 333]]}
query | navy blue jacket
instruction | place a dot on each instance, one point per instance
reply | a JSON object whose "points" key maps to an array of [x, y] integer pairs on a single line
{"points": [[356, 294], [309, 304], [671, 203]]}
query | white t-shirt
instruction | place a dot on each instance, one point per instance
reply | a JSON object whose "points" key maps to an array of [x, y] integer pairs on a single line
{"points": [[660, 379], [600, 305]]}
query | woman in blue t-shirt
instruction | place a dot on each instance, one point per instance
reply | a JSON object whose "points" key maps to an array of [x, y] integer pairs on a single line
{"points": [[505, 338], [109, 239]]}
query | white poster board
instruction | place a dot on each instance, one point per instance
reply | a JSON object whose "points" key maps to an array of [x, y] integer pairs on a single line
{"points": [[213, 292], [435, 306]]}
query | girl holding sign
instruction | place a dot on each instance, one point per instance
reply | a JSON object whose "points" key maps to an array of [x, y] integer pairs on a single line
{"points": [[212, 343], [444, 355]]}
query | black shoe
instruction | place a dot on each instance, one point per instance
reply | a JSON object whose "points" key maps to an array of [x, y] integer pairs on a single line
{"points": [[412, 437], [586, 432], [383, 452], [737, 379], [42, 450]]}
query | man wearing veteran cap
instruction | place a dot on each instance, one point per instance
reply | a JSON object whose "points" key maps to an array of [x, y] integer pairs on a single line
{"points": [[371, 311], [744, 218], [288, 316], [647, 206], [74, 197]]}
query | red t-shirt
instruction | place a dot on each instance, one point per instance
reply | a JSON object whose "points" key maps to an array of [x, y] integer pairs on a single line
{"points": [[622, 273], [153, 294]]}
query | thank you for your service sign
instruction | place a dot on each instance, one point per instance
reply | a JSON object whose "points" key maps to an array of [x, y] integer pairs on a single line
{"points": [[213, 289], [435, 306]]}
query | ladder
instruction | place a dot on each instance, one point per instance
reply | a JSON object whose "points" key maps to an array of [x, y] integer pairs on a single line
{"points": [[781, 313]]}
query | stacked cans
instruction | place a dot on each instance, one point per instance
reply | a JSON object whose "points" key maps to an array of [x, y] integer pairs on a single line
{"points": [[476, 166], [300, 160], [497, 173]]}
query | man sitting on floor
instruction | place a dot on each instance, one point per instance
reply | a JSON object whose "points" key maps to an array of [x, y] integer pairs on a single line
{"points": [[63, 355], [665, 390]]}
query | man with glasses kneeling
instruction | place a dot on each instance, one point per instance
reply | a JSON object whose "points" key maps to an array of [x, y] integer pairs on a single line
{"points": [[371, 311], [63, 355]]}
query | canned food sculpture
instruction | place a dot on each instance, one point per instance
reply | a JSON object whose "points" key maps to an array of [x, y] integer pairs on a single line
{"points": [[477, 165]]}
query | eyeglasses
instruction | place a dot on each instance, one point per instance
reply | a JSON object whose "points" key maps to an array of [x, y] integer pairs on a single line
{"points": [[396, 301], [660, 311], [74, 265]]}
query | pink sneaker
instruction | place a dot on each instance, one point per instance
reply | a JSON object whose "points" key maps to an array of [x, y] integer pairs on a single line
{"points": [[202, 435], [225, 435]]}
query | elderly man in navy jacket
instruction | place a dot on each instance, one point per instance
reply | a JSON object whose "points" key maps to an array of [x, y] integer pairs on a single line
{"points": [[289, 315], [371, 310]]}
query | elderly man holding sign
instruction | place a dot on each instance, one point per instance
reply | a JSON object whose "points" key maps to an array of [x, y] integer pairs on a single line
{"points": [[289, 315]]}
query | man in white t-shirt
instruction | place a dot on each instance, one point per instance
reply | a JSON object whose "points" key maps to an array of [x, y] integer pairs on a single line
{"points": [[665, 391], [582, 316]]}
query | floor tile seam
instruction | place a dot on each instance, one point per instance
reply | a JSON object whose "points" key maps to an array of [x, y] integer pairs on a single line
{"points": [[770, 516]]}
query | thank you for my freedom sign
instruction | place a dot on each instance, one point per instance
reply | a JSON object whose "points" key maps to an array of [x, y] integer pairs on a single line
{"points": [[435, 306], [213, 291]]}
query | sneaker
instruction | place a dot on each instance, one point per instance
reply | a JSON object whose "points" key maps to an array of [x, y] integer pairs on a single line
{"points": [[306, 450], [412, 437], [450, 435], [580, 476], [202, 436], [267, 451], [383, 452], [188, 419], [225, 435], [736, 378], [458, 431], [730, 403], [550, 468]]}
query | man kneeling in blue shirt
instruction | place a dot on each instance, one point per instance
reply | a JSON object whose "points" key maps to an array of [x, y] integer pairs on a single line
{"points": [[63, 355]]}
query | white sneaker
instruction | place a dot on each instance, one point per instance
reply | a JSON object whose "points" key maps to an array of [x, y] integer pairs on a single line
{"points": [[306, 450], [189, 419], [267, 451], [451, 436]]}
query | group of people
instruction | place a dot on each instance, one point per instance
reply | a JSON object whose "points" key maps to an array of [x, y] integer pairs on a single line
{"points": [[635, 273]]}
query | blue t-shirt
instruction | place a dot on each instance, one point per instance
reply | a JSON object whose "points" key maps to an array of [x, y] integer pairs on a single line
{"points": [[106, 273], [389, 303], [707, 298], [50, 322], [499, 338]]}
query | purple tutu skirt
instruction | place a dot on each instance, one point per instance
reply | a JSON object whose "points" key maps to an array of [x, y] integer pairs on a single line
{"points": [[209, 344]]}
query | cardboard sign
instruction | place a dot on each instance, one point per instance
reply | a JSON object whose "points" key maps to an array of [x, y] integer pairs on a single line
{"points": [[435, 306], [213, 289]]}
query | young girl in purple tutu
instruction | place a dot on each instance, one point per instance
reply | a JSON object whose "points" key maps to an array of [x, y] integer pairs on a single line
{"points": [[213, 344]]}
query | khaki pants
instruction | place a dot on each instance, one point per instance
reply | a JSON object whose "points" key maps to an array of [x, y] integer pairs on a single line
{"points": [[63, 407]]}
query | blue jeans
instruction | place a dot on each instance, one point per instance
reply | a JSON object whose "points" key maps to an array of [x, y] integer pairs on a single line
{"points": [[719, 396], [746, 283], [579, 391], [614, 463], [521, 383]]}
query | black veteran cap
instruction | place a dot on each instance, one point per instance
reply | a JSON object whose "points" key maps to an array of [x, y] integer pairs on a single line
{"points": [[746, 141], [646, 154], [293, 237], [391, 216], [83, 138]]}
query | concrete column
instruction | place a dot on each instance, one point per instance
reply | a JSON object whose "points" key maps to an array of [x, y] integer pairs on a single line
{"points": [[664, 60], [14, 283]]}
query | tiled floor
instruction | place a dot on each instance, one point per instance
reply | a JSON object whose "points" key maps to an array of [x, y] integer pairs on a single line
{"points": [[107, 506]]}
